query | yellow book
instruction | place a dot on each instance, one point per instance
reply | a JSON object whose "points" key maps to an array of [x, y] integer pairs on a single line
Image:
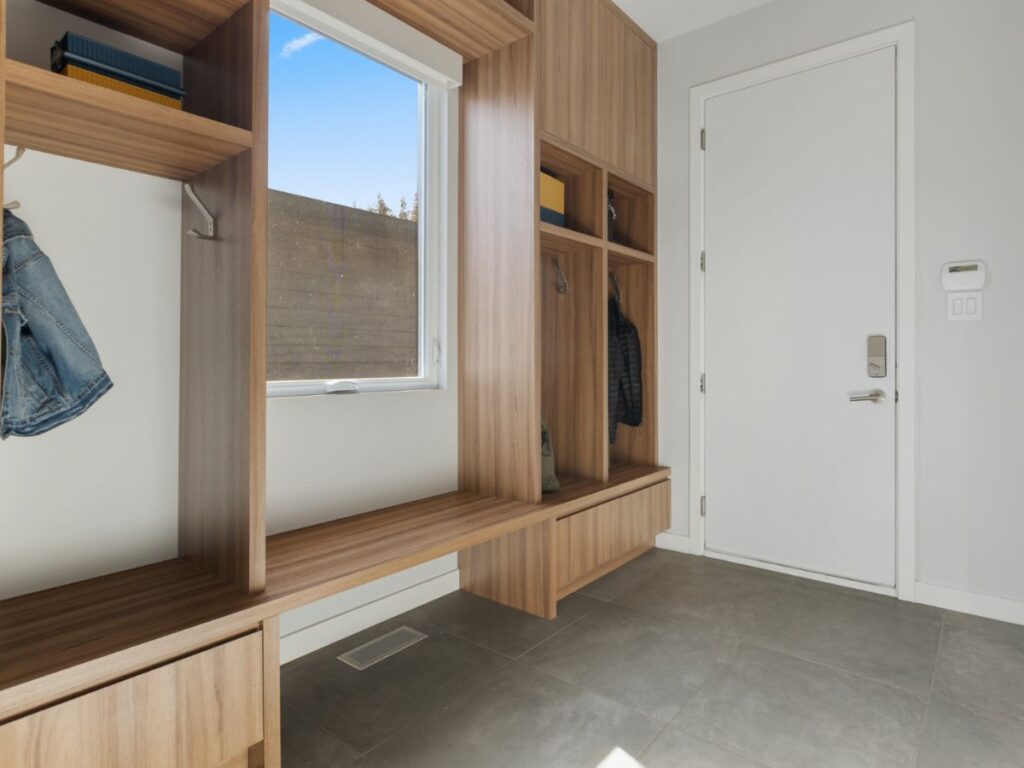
{"points": [[88, 76], [552, 193]]}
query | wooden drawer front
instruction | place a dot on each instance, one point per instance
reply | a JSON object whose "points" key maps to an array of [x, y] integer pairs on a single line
{"points": [[594, 541], [200, 712]]}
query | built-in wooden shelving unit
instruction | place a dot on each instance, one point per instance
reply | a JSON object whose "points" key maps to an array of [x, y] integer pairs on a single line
{"points": [[533, 336], [55, 114], [580, 265]]}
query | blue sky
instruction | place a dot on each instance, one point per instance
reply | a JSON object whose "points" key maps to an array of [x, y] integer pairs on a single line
{"points": [[342, 126]]}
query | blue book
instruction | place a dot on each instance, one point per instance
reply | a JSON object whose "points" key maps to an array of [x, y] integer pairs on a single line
{"points": [[113, 62]]}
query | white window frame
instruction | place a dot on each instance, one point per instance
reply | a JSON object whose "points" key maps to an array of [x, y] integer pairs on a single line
{"points": [[379, 36]]}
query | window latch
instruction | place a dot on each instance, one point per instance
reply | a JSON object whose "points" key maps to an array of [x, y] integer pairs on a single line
{"points": [[341, 387]]}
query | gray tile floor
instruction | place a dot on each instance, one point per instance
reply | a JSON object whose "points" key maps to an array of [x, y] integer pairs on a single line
{"points": [[680, 661]]}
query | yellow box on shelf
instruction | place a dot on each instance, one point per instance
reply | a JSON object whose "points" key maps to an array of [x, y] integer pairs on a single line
{"points": [[552, 199], [88, 76]]}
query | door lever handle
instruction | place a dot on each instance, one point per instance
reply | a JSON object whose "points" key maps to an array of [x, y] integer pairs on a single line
{"points": [[874, 396]]}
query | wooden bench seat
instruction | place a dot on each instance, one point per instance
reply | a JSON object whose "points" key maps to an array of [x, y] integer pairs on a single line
{"points": [[80, 635]]}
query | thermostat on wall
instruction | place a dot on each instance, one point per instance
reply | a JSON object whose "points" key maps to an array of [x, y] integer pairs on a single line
{"points": [[963, 275]]}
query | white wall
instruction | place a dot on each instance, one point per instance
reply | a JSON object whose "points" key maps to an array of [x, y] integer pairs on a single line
{"points": [[970, 161]]}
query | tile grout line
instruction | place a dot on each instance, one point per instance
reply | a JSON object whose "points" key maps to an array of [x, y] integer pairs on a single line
{"points": [[560, 631], [791, 655], [658, 735], [931, 692], [837, 670]]}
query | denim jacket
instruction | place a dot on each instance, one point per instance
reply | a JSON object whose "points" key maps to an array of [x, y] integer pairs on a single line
{"points": [[52, 372]]}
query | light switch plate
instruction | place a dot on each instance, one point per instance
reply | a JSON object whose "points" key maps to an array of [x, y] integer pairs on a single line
{"points": [[964, 306]]}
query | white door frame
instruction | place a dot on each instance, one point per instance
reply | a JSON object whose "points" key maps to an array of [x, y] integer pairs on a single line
{"points": [[902, 39]]}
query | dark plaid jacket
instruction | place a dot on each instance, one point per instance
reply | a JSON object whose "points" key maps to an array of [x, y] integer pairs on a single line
{"points": [[625, 392]]}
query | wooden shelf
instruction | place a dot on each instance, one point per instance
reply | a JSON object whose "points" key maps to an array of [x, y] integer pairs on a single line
{"points": [[55, 114], [619, 252], [578, 494], [556, 233], [473, 28], [81, 635], [176, 24]]}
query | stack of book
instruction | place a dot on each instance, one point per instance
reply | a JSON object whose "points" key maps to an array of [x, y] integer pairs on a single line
{"points": [[84, 59]]}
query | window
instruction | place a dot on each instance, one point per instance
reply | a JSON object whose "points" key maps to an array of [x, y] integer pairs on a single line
{"points": [[354, 246]]}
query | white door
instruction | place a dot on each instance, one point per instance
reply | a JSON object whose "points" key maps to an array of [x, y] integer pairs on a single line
{"points": [[800, 235]]}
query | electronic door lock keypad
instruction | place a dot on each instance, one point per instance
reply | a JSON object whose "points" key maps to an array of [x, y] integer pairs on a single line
{"points": [[877, 368]]}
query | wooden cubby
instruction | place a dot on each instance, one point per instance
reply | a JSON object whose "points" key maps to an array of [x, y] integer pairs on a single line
{"points": [[574, 355], [584, 189], [637, 284], [635, 222], [218, 144]]}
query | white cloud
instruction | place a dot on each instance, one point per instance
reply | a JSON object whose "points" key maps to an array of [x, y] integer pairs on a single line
{"points": [[296, 45]]}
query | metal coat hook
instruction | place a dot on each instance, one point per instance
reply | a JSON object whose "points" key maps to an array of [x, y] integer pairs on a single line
{"points": [[19, 153], [211, 223], [562, 286], [615, 287]]}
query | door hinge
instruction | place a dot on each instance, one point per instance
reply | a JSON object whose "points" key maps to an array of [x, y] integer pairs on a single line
{"points": [[703, 138], [703, 506], [703, 261], [897, 395], [703, 383]]}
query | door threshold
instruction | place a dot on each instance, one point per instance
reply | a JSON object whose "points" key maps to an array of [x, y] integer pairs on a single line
{"points": [[839, 581]]}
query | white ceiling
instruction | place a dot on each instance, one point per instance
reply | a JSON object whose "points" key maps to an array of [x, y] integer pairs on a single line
{"points": [[665, 19]]}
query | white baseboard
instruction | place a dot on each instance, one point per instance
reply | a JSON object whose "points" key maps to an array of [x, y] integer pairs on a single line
{"points": [[987, 606], [675, 542], [331, 630]]}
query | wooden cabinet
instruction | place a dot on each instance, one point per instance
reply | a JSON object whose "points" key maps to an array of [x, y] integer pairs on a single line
{"points": [[204, 711], [532, 569], [598, 84], [596, 541]]}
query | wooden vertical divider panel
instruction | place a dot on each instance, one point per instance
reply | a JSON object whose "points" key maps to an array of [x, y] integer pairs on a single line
{"points": [[223, 316], [517, 570], [499, 389], [267, 754]]}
